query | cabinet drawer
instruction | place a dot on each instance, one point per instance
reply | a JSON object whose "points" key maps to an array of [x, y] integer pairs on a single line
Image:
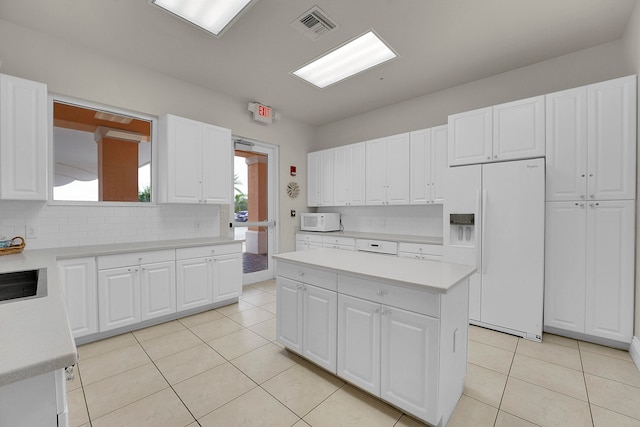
{"points": [[205, 251], [420, 248], [135, 258], [309, 238], [415, 300], [341, 247], [313, 276], [378, 246], [337, 240], [422, 257]]}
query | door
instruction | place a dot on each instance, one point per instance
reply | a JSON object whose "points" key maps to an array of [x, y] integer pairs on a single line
{"points": [[313, 179], [319, 322], [255, 210], [512, 264], [289, 318], [565, 265], [438, 162], [420, 167], [566, 140], [227, 272], [157, 289], [217, 158], [610, 269], [359, 342], [470, 137], [341, 175], [193, 283], [79, 288], [612, 139], [397, 168], [23, 139], [376, 171], [326, 178], [119, 297], [356, 175], [518, 129], [185, 157], [463, 195], [409, 361]]}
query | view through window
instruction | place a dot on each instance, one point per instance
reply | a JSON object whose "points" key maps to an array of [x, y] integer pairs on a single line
{"points": [[100, 156]]}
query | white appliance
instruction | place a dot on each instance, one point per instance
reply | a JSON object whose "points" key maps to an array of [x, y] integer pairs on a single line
{"points": [[320, 221], [494, 219]]}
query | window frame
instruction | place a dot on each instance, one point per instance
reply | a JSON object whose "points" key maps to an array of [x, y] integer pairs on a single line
{"points": [[52, 97]]}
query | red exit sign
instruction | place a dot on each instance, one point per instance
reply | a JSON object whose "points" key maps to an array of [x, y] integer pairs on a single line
{"points": [[261, 113]]}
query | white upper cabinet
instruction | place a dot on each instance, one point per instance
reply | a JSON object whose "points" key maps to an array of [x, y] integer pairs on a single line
{"points": [[197, 161], [591, 142], [566, 161], [23, 139], [313, 178], [611, 139], [387, 170], [320, 178], [428, 159], [470, 137], [348, 172], [514, 130]]}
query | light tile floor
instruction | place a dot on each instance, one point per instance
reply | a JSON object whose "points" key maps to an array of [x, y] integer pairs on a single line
{"points": [[224, 368]]}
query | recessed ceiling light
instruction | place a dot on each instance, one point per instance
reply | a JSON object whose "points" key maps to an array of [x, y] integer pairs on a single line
{"points": [[360, 54], [214, 16]]}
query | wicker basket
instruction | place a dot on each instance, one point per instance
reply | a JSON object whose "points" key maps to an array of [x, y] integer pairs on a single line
{"points": [[15, 248]]}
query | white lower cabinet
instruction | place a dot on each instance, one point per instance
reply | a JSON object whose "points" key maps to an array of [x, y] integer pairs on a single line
{"points": [[307, 242], [208, 274], [307, 319], [133, 287], [407, 346], [359, 342], [39, 401], [589, 268], [79, 289]]}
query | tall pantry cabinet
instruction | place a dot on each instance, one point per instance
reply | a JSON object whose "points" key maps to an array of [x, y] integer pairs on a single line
{"points": [[590, 214]]}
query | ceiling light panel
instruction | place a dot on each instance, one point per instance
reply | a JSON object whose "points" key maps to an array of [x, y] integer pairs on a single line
{"points": [[214, 16], [358, 55]]}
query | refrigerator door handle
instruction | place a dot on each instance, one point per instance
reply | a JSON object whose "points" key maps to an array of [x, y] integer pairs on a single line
{"points": [[483, 231], [478, 232]]}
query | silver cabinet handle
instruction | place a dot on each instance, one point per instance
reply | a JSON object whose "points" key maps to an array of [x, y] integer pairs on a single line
{"points": [[591, 196], [376, 311], [300, 273]]}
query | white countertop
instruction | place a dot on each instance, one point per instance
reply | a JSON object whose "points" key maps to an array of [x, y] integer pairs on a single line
{"points": [[427, 240], [434, 276], [35, 336]]}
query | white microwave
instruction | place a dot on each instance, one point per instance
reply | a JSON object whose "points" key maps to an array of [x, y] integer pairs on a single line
{"points": [[320, 221]]}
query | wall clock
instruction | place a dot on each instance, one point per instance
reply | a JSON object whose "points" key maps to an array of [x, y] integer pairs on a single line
{"points": [[293, 189]]}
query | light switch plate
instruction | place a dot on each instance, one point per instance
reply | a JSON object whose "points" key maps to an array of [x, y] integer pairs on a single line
{"points": [[31, 231]]}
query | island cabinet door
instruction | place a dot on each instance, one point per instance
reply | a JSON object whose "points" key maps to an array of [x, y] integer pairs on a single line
{"points": [[359, 342], [320, 317], [289, 318], [409, 361]]}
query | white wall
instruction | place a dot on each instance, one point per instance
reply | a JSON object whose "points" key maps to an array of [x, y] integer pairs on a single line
{"points": [[72, 70], [576, 69]]}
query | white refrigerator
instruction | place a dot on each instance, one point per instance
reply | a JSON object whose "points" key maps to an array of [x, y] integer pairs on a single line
{"points": [[494, 219]]}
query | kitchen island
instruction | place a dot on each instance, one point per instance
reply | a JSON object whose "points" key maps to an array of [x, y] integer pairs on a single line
{"points": [[394, 327]]}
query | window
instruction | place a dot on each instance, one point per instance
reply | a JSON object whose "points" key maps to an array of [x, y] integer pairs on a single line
{"points": [[100, 155]]}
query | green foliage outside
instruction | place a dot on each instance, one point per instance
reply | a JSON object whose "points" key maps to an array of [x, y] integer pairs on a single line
{"points": [[241, 202], [145, 194]]}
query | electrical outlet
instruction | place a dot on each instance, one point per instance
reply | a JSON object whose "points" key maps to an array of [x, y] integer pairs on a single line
{"points": [[196, 225], [31, 231], [293, 213]]}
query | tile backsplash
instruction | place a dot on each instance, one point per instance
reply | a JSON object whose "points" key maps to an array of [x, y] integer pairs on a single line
{"points": [[416, 220], [79, 225]]}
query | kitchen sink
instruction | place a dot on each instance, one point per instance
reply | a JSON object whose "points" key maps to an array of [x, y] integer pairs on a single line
{"points": [[20, 285]]}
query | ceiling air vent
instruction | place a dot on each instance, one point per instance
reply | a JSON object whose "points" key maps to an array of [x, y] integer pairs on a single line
{"points": [[314, 23]]}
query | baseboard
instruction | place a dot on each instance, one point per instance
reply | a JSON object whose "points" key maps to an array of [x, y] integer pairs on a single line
{"points": [[634, 351]]}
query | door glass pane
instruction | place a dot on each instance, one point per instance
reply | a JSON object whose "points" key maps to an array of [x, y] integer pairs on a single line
{"points": [[251, 205]]}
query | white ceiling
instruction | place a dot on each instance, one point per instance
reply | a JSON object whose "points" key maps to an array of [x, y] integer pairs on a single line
{"points": [[441, 43]]}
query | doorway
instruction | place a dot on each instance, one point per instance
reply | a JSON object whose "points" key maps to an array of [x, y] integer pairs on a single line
{"points": [[254, 209]]}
